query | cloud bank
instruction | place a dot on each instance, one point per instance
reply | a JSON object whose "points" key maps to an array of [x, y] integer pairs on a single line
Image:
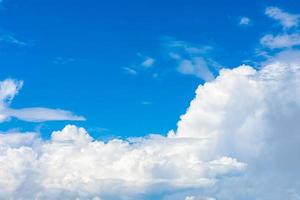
{"points": [[239, 139], [9, 88]]}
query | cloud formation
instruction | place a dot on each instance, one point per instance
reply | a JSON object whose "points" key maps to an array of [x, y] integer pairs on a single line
{"points": [[71, 165], [286, 20], [252, 116], [9, 88], [240, 132], [286, 39]]}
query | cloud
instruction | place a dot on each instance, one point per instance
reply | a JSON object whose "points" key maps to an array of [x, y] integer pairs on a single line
{"points": [[244, 21], [240, 132], [285, 19], [144, 64], [286, 39], [39, 114], [280, 41], [190, 59], [196, 66], [130, 71], [148, 62], [9, 88], [252, 116], [72, 165]]}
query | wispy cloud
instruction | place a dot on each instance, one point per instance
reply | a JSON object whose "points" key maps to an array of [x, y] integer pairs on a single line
{"points": [[130, 71], [287, 20], [191, 59], [39, 114], [143, 64], [288, 37], [148, 62], [9, 88], [10, 39], [280, 41]]}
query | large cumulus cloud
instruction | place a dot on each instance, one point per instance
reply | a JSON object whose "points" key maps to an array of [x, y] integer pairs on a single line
{"points": [[239, 139], [72, 165]]}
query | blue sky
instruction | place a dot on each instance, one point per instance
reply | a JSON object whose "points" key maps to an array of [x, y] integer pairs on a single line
{"points": [[172, 100], [72, 55]]}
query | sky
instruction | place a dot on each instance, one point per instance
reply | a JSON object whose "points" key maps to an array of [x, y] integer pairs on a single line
{"points": [[115, 100]]}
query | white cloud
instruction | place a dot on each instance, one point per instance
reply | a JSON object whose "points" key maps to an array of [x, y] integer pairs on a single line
{"points": [[9, 88], [244, 21], [72, 165], [280, 41], [252, 116], [15, 139], [287, 20], [148, 62], [239, 133]]}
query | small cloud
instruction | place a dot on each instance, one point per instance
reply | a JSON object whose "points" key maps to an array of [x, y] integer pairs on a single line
{"points": [[144, 63], [285, 19], [130, 71], [244, 21], [148, 62]]}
